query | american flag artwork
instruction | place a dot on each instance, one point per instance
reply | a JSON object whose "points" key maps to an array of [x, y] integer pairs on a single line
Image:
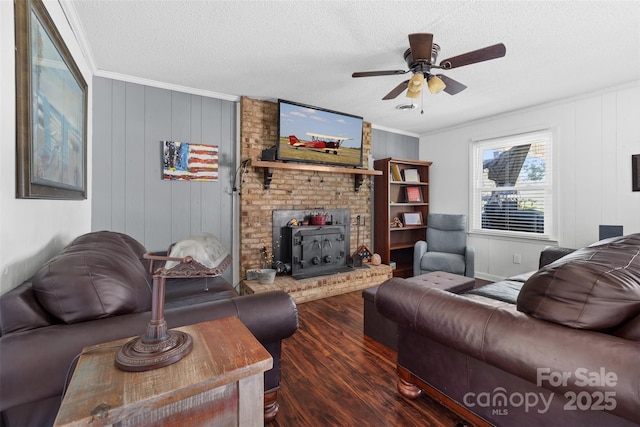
{"points": [[192, 162]]}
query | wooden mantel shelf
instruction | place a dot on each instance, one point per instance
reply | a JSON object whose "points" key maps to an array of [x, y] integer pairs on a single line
{"points": [[269, 167]]}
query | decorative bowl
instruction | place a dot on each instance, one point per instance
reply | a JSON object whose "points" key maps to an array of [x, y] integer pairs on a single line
{"points": [[266, 276]]}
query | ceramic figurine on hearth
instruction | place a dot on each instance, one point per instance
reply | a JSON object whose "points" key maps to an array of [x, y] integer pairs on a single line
{"points": [[376, 259]]}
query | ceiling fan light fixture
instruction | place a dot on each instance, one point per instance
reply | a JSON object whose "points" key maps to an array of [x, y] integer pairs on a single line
{"points": [[435, 84], [417, 80], [421, 60], [415, 85]]}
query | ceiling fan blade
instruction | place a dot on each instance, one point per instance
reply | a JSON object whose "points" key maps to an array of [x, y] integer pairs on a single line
{"points": [[421, 45], [480, 55], [397, 90], [378, 73], [452, 86]]}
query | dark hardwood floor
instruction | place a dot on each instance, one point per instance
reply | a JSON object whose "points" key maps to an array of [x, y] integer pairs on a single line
{"points": [[334, 375]]}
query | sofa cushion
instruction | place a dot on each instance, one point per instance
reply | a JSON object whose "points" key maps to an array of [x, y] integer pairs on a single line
{"points": [[629, 330], [97, 275], [504, 290], [182, 292], [21, 311], [595, 288]]}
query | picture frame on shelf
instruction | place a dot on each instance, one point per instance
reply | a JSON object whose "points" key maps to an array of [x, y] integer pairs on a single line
{"points": [[51, 110], [411, 175], [413, 195], [412, 218], [635, 172]]}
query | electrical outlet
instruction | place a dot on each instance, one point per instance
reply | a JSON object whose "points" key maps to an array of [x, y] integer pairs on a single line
{"points": [[517, 258]]}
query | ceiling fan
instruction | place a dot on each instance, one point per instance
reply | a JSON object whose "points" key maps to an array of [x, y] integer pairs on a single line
{"points": [[421, 60]]}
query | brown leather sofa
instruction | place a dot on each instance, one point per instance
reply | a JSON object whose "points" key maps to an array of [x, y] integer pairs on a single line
{"points": [[99, 290], [556, 347]]}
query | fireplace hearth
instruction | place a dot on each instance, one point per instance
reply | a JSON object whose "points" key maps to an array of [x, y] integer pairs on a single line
{"points": [[312, 250]]}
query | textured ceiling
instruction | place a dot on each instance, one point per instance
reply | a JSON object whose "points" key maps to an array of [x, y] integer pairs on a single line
{"points": [[305, 51]]}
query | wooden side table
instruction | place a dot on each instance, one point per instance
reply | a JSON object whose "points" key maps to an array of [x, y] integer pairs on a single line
{"points": [[221, 382]]}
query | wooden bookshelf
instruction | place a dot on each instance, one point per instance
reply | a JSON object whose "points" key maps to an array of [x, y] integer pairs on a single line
{"points": [[396, 243]]}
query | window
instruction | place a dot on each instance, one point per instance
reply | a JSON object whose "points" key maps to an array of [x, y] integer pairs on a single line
{"points": [[512, 189]]}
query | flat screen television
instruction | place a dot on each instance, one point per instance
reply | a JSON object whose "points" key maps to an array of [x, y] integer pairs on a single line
{"points": [[316, 135]]}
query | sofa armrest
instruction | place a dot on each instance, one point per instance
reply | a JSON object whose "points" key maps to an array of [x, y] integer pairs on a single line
{"points": [[34, 364], [515, 342], [424, 309], [552, 253], [470, 261], [270, 316], [419, 249]]}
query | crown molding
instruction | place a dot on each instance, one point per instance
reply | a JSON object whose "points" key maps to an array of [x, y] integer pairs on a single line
{"points": [[164, 85], [71, 14]]}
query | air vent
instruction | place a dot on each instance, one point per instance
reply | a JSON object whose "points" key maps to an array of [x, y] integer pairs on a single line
{"points": [[405, 106]]}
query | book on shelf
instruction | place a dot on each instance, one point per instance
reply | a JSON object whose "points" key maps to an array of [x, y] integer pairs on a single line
{"points": [[395, 172]]}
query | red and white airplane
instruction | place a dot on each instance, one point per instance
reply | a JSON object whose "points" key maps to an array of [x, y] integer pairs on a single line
{"points": [[319, 142]]}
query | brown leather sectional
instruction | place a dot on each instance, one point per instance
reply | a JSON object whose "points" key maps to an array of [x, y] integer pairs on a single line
{"points": [[98, 290], [556, 347]]}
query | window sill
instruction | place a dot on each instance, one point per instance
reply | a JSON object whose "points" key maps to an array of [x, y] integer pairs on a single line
{"points": [[514, 236]]}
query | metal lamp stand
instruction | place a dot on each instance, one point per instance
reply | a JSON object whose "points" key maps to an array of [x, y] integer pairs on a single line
{"points": [[160, 347]]}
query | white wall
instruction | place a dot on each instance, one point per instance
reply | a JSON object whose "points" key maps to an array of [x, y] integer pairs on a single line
{"points": [[594, 136], [32, 231]]}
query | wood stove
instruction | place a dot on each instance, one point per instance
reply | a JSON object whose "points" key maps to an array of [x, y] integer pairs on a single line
{"points": [[312, 250]]}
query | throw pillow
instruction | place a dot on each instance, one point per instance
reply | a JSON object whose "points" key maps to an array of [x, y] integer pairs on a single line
{"points": [[204, 248], [596, 288], [98, 275]]}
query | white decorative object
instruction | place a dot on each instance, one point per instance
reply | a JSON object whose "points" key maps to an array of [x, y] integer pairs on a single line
{"points": [[203, 247]]}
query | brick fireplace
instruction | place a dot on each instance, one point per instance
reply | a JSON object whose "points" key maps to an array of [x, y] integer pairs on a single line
{"points": [[291, 189]]}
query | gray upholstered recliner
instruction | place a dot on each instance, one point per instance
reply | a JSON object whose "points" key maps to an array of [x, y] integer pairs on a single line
{"points": [[446, 247]]}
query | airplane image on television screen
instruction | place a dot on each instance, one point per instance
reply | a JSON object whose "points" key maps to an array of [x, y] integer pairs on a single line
{"points": [[315, 135], [325, 143]]}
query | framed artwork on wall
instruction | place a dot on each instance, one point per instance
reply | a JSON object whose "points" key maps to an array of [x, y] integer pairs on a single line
{"points": [[635, 172], [189, 162], [51, 110]]}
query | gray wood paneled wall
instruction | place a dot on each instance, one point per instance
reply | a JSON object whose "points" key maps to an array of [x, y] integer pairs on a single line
{"points": [[387, 144], [128, 193]]}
